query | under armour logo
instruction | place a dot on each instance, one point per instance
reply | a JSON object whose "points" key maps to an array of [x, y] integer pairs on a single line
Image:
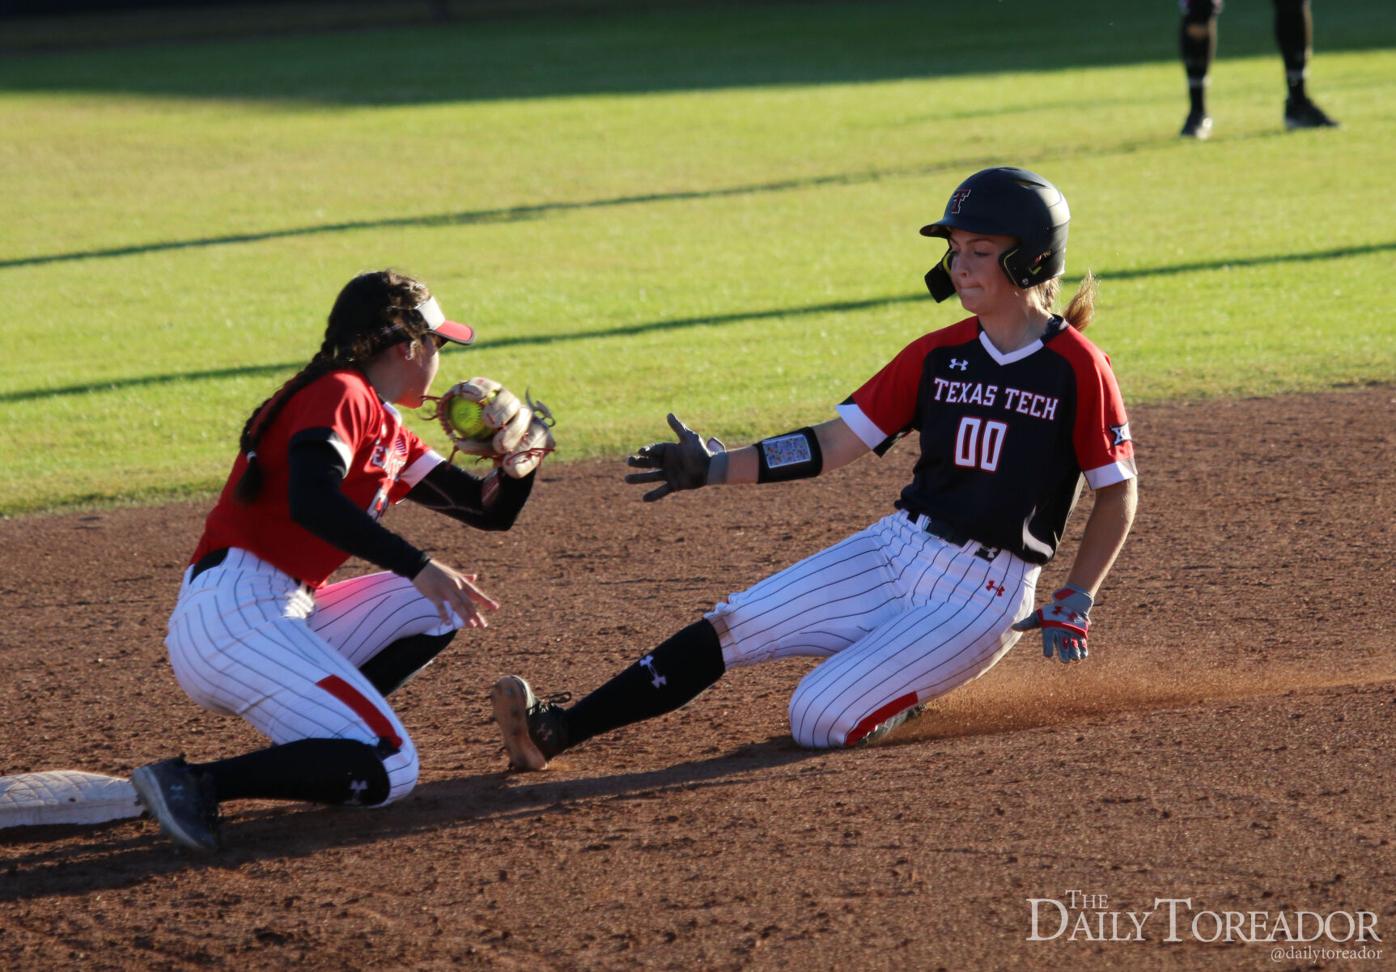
{"points": [[957, 199], [996, 588], [656, 679], [358, 788], [1121, 433], [959, 364]]}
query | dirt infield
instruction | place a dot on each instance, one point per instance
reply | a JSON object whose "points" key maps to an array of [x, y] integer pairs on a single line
{"points": [[1228, 743]]}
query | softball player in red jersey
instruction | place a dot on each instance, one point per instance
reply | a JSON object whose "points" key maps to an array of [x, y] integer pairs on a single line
{"points": [[257, 633], [1012, 408]]}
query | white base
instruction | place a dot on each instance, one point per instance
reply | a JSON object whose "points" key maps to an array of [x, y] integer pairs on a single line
{"points": [[65, 797]]}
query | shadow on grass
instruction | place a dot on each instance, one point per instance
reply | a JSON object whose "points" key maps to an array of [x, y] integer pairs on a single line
{"points": [[692, 47], [512, 214], [681, 323]]}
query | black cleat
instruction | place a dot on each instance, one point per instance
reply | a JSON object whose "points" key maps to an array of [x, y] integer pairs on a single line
{"points": [[534, 729], [182, 803], [1198, 126], [1303, 113], [883, 729]]}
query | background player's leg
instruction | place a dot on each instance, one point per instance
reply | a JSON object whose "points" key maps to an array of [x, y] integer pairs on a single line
{"points": [[1294, 32], [383, 625], [1198, 42], [922, 653]]}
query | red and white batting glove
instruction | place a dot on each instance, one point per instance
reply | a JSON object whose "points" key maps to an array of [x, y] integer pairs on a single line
{"points": [[1064, 621]]}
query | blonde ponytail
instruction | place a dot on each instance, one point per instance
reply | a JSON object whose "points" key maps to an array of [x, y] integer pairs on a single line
{"points": [[1081, 310]]}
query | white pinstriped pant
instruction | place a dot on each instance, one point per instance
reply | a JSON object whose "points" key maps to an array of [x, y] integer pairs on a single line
{"points": [[246, 639], [901, 615]]}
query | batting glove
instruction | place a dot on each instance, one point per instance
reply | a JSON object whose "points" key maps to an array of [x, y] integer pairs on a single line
{"points": [[1064, 623], [677, 465]]}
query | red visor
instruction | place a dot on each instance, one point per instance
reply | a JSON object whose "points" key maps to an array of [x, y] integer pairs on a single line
{"points": [[451, 330]]}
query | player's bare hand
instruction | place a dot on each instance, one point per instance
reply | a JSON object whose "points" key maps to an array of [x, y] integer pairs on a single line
{"points": [[1065, 622], [676, 465], [451, 591]]}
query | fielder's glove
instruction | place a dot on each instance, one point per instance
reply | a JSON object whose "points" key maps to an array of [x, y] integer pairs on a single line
{"points": [[677, 465], [483, 418], [536, 443], [1064, 623]]}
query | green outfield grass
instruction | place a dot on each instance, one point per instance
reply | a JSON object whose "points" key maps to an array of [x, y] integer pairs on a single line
{"points": [[713, 211]]}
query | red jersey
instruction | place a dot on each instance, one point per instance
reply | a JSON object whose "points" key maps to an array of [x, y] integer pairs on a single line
{"points": [[1005, 438], [384, 461]]}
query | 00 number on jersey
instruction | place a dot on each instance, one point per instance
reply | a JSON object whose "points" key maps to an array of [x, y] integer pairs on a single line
{"points": [[979, 443]]}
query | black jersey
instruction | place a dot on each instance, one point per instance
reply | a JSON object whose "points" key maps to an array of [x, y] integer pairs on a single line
{"points": [[1005, 438]]}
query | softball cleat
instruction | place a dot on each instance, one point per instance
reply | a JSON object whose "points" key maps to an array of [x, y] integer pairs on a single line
{"points": [[534, 729], [183, 804]]}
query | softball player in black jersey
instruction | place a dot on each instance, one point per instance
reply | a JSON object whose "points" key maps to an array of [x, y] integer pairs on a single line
{"points": [[1011, 408]]}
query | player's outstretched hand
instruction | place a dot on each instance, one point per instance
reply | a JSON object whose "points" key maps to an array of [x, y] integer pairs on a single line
{"points": [[676, 465], [452, 591], [1064, 623]]}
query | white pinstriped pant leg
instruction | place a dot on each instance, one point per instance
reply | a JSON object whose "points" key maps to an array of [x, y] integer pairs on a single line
{"points": [[820, 605], [957, 626], [240, 644], [363, 615]]}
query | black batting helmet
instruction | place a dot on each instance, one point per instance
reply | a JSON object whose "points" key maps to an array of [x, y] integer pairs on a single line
{"points": [[1006, 202]]}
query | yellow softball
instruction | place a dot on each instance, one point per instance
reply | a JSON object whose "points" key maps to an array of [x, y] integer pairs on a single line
{"points": [[468, 418]]}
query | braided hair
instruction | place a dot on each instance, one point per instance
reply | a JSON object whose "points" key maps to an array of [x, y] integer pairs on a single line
{"points": [[373, 312]]}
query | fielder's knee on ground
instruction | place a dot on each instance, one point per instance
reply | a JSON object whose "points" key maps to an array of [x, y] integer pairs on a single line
{"points": [[402, 769], [369, 719]]}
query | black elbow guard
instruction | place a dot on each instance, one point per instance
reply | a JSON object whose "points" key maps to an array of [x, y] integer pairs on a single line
{"points": [[794, 455]]}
